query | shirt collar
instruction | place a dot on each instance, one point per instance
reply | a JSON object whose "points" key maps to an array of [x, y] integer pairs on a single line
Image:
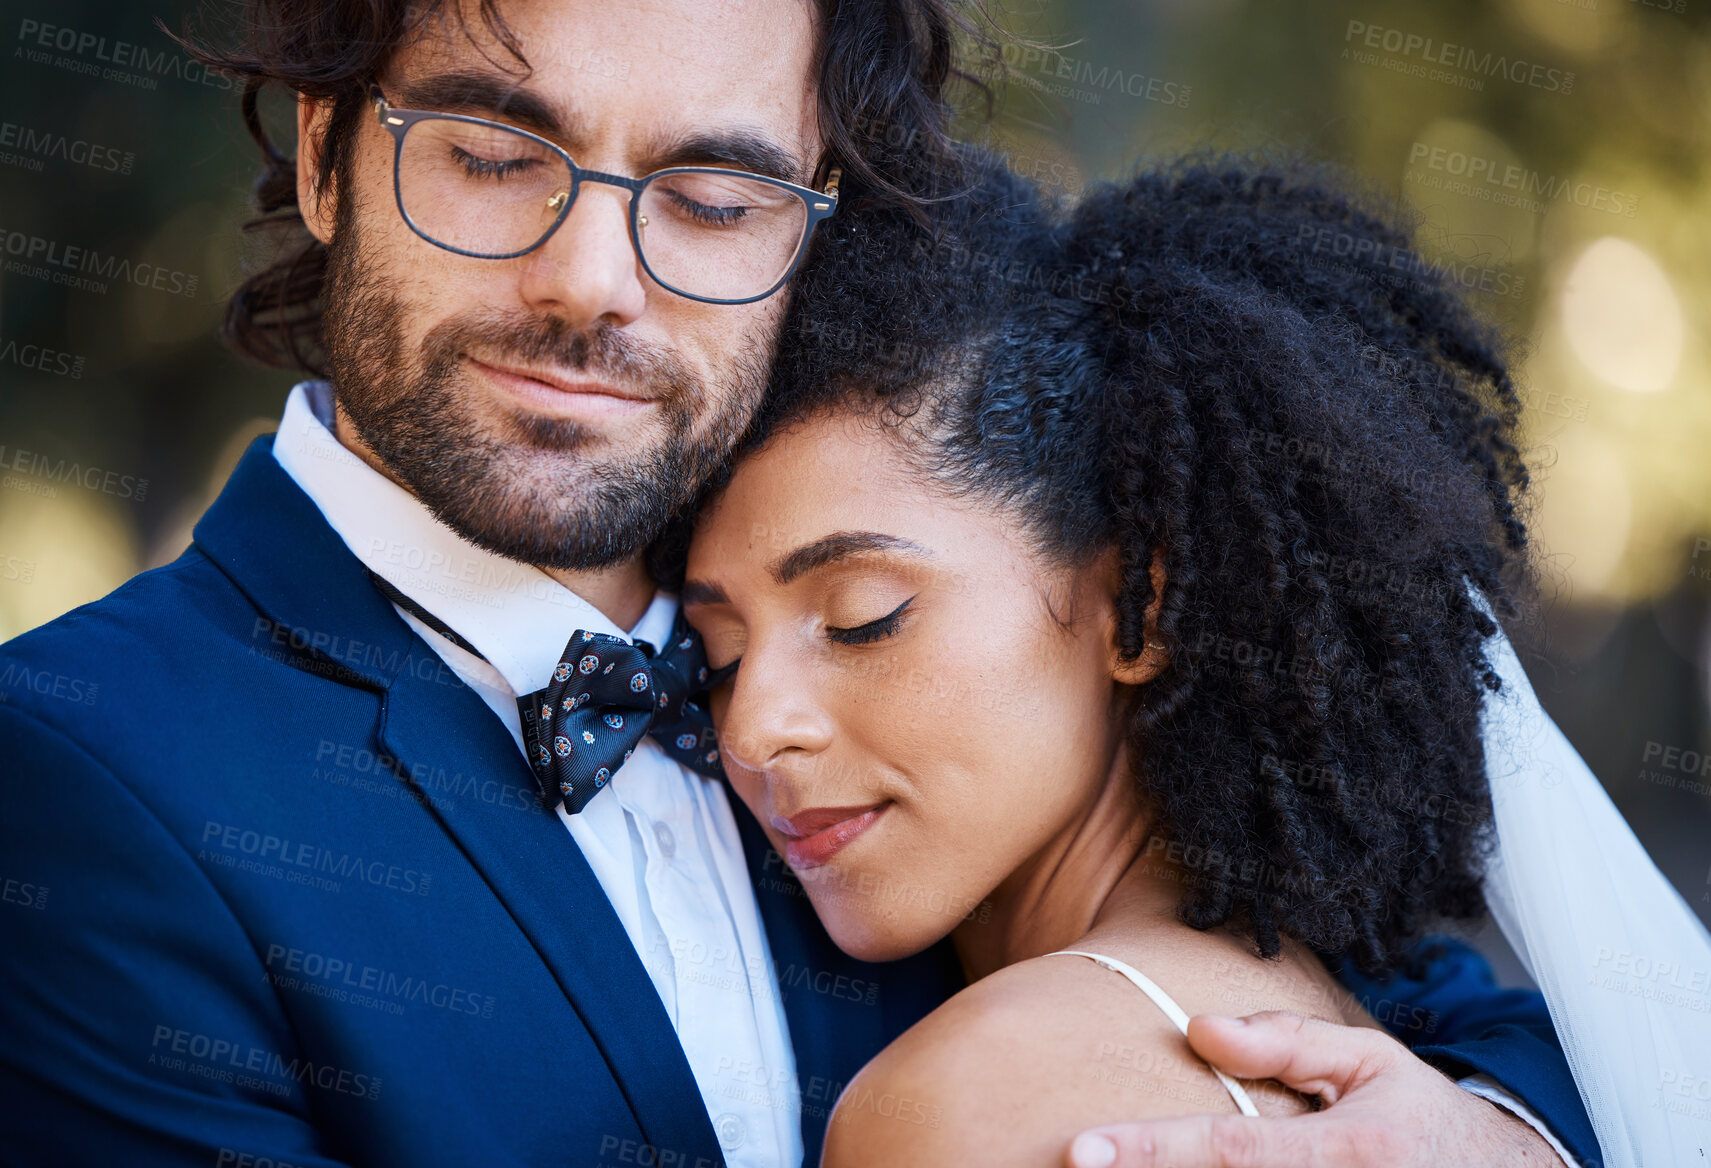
{"points": [[518, 616]]}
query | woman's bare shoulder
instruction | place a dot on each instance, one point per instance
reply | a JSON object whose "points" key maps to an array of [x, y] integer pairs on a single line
{"points": [[1011, 1068]]}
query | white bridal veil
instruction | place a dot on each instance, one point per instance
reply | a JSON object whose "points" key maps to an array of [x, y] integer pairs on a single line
{"points": [[1624, 964]]}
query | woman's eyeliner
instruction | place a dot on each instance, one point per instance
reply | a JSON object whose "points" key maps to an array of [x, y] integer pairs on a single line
{"points": [[873, 630]]}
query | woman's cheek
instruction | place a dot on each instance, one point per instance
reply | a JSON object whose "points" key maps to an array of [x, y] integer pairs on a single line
{"points": [[870, 916], [904, 892]]}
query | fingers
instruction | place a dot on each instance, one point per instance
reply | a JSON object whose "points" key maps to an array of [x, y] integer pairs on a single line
{"points": [[1317, 1058], [1204, 1141]]}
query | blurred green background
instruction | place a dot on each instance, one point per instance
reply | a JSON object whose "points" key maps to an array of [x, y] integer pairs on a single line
{"points": [[1553, 150]]}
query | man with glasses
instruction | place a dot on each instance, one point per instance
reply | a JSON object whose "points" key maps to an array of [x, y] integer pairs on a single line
{"points": [[710, 233], [312, 901]]}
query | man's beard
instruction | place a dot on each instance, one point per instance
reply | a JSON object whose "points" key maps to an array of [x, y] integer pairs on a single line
{"points": [[524, 487]]}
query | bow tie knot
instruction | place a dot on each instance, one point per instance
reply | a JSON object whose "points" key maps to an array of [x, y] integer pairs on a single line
{"points": [[604, 696]]}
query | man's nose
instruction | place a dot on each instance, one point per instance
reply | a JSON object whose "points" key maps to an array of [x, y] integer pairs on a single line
{"points": [[588, 272]]}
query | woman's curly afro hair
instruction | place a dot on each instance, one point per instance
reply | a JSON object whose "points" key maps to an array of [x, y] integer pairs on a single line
{"points": [[1246, 372]]}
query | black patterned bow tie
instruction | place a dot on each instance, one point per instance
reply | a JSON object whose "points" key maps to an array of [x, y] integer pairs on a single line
{"points": [[605, 694]]}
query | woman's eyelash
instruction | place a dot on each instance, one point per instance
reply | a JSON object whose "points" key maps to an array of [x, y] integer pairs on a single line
{"points": [[873, 630]]}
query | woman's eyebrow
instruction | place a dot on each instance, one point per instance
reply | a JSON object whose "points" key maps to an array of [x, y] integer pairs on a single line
{"points": [[837, 546], [821, 553]]}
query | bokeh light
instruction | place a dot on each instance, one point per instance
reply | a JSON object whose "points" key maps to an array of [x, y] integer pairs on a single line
{"points": [[1621, 316]]}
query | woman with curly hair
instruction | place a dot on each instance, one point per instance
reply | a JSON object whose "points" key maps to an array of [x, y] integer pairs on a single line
{"points": [[1119, 616]]}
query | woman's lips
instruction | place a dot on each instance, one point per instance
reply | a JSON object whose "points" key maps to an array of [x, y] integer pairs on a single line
{"points": [[813, 837]]}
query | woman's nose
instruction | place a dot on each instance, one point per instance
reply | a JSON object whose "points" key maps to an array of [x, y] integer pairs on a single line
{"points": [[774, 716]]}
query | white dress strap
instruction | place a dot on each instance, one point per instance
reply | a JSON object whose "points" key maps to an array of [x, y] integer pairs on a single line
{"points": [[1172, 1011]]}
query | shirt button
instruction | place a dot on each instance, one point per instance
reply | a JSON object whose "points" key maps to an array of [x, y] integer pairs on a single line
{"points": [[730, 1130], [667, 841]]}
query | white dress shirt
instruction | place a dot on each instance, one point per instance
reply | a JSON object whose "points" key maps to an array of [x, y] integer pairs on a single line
{"points": [[660, 838]]}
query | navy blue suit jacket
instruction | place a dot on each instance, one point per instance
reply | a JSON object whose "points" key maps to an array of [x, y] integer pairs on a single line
{"points": [[278, 886]]}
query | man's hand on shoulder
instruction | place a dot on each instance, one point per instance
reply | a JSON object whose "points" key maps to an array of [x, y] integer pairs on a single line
{"points": [[1384, 1108]]}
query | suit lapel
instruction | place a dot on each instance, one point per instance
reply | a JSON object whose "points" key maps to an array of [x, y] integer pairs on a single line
{"points": [[487, 800], [274, 544]]}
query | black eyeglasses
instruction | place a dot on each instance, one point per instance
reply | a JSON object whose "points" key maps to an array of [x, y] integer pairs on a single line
{"points": [[484, 189]]}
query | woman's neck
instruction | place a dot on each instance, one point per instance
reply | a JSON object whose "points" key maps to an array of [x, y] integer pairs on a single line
{"points": [[1096, 873]]}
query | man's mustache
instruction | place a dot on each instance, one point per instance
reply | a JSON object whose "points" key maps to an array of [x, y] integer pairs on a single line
{"points": [[603, 353]]}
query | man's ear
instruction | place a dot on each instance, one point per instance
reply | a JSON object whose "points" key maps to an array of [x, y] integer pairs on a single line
{"points": [[316, 207], [1152, 659]]}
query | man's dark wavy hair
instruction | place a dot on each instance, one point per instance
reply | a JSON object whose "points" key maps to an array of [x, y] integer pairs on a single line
{"points": [[1248, 372], [884, 68]]}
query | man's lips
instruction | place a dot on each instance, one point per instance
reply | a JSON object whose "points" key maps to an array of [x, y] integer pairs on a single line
{"points": [[559, 391], [814, 836]]}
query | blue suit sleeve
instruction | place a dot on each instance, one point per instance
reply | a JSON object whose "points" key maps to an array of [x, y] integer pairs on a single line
{"points": [[131, 1000], [1449, 1012]]}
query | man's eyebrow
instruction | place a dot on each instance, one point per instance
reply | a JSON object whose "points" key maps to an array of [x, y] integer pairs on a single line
{"points": [[743, 149], [484, 95], [837, 546], [490, 95]]}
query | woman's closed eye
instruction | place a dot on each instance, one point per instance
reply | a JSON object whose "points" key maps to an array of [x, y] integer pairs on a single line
{"points": [[873, 630], [719, 675]]}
